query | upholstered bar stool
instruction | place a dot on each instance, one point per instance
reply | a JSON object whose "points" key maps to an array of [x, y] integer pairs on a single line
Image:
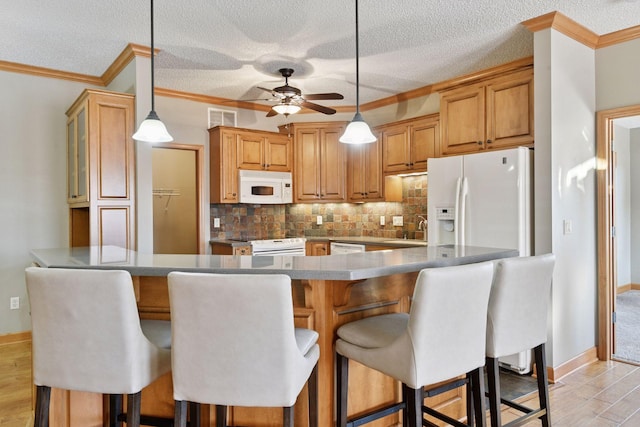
{"points": [[517, 321], [443, 337], [234, 344], [87, 336]]}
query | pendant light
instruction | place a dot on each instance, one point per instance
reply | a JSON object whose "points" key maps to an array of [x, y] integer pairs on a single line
{"points": [[357, 131], [152, 129]]}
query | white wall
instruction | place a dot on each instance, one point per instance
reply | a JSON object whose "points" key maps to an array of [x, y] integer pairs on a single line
{"points": [[634, 142], [565, 188], [33, 170], [623, 187], [617, 72]]}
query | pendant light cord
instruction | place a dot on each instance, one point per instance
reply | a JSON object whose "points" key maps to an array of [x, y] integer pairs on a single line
{"points": [[152, 67], [357, 65]]}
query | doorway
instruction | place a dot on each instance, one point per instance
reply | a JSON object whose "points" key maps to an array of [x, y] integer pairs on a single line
{"points": [[177, 199], [614, 206]]}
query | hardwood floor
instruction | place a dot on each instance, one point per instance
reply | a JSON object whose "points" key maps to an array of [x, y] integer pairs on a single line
{"points": [[602, 394]]}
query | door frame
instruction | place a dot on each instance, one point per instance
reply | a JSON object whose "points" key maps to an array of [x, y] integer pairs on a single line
{"points": [[605, 209], [201, 220]]}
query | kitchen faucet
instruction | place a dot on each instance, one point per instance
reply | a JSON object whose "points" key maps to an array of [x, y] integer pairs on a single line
{"points": [[422, 226]]}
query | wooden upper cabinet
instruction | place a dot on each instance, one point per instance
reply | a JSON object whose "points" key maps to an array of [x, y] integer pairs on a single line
{"points": [[364, 172], [223, 172], [494, 114], [101, 169], [320, 162], [264, 151], [232, 149], [407, 145]]}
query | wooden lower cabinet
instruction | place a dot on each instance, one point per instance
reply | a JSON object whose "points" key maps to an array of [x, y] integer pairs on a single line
{"points": [[323, 305]]}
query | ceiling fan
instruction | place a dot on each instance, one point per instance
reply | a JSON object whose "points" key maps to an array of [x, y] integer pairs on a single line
{"points": [[290, 99]]}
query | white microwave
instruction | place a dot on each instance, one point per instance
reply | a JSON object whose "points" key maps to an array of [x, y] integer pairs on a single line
{"points": [[265, 187]]}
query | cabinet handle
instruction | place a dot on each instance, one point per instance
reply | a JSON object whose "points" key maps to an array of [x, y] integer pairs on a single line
{"points": [[479, 142], [411, 164], [234, 194], [488, 141]]}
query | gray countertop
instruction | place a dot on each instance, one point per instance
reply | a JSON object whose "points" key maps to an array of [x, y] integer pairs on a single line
{"points": [[332, 267], [384, 241]]}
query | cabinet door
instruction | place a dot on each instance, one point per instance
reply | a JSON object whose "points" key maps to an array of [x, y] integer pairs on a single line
{"points": [[77, 157], [462, 112], [307, 183], [510, 111], [277, 153], [395, 149], [364, 172], [333, 172], [229, 173], [425, 137], [250, 151], [317, 248]]}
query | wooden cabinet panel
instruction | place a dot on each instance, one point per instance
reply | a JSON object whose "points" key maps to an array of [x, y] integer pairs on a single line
{"points": [[101, 169], [364, 172], [317, 248], [333, 165], [223, 172], [278, 153], [395, 143], [320, 162], [407, 145], [462, 114], [262, 151], [494, 114], [250, 152], [510, 111]]}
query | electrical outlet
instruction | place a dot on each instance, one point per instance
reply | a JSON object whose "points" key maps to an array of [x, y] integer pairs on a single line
{"points": [[398, 221], [382, 219], [568, 227], [319, 219], [14, 303], [216, 222]]}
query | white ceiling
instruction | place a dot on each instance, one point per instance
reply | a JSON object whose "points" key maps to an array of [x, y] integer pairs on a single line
{"points": [[227, 48]]}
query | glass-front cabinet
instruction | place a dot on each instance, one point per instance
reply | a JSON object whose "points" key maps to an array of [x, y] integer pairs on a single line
{"points": [[77, 179]]}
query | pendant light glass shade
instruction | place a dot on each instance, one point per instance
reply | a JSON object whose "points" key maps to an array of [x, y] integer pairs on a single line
{"points": [[152, 130], [286, 108], [357, 132]]}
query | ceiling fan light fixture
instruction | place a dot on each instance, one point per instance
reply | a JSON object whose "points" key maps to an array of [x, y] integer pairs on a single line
{"points": [[358, 131], [152, 129], [286, 109]]}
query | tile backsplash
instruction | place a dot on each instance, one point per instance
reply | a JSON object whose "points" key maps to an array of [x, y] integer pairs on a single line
{"points": [[243, 221]]}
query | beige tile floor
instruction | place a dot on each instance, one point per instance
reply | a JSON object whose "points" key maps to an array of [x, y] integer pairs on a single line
{"points": [[597, 395]]}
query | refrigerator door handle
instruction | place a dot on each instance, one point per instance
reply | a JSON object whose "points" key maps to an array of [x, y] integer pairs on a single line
{"points": [[464, 190], [456, 217]]}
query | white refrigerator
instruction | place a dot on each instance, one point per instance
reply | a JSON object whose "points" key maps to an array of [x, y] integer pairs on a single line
{"points": [[483, 199]]}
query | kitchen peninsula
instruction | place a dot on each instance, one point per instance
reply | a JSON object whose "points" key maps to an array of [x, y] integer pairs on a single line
{"points": [[328, 291]]}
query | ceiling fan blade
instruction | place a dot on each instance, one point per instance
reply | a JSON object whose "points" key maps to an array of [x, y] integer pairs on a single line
{"points": [[317, 96], [316, 107], [272, 113]]}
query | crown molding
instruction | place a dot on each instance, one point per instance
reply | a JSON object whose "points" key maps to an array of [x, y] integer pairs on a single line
{"points": [[566, 26], [207, 99], [126, 56], [14, 67], [619, 36]]}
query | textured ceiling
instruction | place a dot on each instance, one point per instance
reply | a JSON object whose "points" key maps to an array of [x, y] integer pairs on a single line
{"points": [[227, 48]]}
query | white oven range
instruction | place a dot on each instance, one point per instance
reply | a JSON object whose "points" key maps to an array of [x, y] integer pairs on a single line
{"points": [[294, 246]]}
